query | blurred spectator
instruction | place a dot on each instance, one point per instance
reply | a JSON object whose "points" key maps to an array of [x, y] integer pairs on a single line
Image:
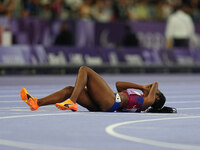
{"points": [[46, 11], [70, 9], [6, 35], [130, 39], [196, 10], [74, 4], [64, 37], [56, 6], [85, 9], [102, 11], [167, 9], [32, 8], [7, 7], [121, 9], [3, 8], [180, 27], [1, 32], [159, 10], [140, 11], [17, 9]]}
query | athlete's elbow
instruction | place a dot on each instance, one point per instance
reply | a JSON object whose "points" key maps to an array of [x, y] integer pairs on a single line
{"points": [[118, 85], [155, 83]]}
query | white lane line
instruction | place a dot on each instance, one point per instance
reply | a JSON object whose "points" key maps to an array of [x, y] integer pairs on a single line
{"points": [[38, 115], [17, 95], [27, 109], [31, 146], [183, 96], [23, 107], [17, 107], [10, 101], [39, 89], [182, 102], [110, 130], [188, 108], [175, 92]]}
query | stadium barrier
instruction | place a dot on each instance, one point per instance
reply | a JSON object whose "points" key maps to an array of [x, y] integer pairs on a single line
{"points": [[33, 51], [36, 59], [33, 31]]}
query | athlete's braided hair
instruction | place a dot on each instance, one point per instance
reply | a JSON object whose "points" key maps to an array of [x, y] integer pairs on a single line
{"points": [[158, 104]]}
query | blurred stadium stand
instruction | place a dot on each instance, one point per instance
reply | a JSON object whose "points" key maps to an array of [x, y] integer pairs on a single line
{"points": [[28, 32]]}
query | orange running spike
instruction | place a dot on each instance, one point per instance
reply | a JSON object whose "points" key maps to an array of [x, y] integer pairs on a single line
{"points": [[29, 100], [68, 104]]}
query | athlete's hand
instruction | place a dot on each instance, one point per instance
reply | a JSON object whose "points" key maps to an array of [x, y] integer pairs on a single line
{"points": [[146, 90], [148, 85]]}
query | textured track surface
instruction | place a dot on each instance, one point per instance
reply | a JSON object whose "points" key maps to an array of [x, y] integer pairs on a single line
{"points": [[50, 128]]}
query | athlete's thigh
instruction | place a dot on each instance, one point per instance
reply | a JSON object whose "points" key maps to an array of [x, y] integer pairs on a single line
{"points": [[99, 90], [86, 101]]}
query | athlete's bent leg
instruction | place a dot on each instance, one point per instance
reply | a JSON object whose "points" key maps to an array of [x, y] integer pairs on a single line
{"points": [[97, 88], [56, 97], [61, 96]]}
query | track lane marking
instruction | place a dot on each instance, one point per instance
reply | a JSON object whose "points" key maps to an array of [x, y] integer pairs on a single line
{"points": [[110, 130], [31, 146]]}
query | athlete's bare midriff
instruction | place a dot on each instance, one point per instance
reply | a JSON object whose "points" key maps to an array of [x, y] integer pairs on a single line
{"points": [[124, 99]]}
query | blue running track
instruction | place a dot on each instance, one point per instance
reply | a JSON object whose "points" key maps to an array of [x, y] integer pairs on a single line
{"points": [[51, 129]]}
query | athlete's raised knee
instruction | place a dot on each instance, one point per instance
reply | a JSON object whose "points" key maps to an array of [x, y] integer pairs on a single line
{"points": [[85, 68]]}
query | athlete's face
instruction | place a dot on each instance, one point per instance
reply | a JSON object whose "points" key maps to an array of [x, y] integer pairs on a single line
{"points": [[157, 98], [157, 95]]}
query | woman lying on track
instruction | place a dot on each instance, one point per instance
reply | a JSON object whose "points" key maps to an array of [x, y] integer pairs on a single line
{"points": [[93, 93]]}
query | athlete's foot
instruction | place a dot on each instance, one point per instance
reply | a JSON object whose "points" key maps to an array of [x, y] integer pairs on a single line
{"points": [[68, 104], [28, 99]]}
